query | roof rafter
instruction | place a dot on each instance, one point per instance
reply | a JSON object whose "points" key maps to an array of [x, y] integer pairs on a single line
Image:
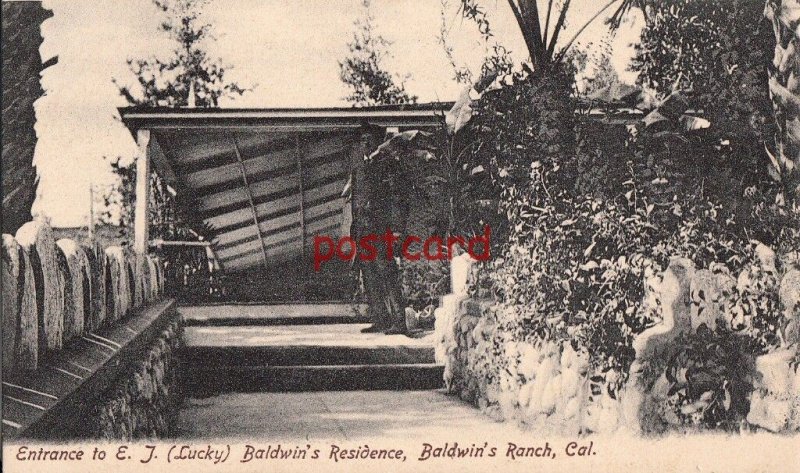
{"points": [[250, 196]]}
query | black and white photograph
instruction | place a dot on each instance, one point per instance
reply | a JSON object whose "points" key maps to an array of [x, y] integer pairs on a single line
{"points": [[400, 235]]}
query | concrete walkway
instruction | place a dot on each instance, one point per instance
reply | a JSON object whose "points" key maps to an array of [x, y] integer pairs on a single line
{"points": [[273, 314], [298, 383], [342, 415], [339, 335]]}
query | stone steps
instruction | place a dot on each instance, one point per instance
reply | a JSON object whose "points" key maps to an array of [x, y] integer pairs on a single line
{"points": [[308, 355], [204, 382], [301, 358], [221, 315]]}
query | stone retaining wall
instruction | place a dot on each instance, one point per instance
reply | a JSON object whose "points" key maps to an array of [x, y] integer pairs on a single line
{"points": [[89, 345], [549, 387], [144, 403]]}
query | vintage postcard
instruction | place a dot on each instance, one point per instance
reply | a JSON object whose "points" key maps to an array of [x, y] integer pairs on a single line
{"points": [[401, 235]]}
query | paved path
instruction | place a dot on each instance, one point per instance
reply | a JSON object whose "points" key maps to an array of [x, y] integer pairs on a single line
{"points": [[341, 335], [343, 415], [255, 314], [250, 359]]}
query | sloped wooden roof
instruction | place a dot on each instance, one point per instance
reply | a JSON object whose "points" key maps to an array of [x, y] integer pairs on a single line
{"points": [[266, 180]]}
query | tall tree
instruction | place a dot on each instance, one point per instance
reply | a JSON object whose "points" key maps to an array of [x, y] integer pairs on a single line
{"points": [[168, 82], [784, 88], [540, 28], [22, 66], [188, 77], [364, 69]]}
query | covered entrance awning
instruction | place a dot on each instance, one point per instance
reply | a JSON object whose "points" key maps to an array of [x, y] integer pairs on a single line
{"points": [[264, 180]]}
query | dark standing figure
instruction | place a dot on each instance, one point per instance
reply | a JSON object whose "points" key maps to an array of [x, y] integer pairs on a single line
{"points": [[374, 211]]}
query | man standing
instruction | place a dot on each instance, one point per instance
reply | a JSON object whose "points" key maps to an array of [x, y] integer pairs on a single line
{"points": [[375, 208]]}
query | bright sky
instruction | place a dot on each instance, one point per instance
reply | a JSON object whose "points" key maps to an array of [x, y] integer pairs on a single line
{"points": [[288, 48]]}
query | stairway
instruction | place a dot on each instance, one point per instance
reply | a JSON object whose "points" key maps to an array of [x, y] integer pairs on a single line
{"points": [[298, 355]]}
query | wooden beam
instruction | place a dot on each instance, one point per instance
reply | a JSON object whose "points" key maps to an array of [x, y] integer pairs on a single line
{"points": [[301, 212], [277, 208], [270, 226], [264, 190], [276, 241], [141, 228], [160, 163], [230, 173], [278, 235], [285, 252], [283, 120], [201, 149], [263, 165], [250, 195], [247, 261], [237, 196]]}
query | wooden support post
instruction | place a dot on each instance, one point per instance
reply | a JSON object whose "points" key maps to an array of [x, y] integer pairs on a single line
{"points": [[300, 185], [141, 213], [250, 198], [302, 212], [91, 212]]}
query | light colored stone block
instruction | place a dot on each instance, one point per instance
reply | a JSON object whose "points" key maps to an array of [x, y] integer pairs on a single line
{"points": [[75, 283], [36, 238]]}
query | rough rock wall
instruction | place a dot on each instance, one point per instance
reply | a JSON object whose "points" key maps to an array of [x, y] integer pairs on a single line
{"points": [[20, 317], [36, 239], [544, 386], [145, 403], [548, 386], [691, 297], [775, 404]]}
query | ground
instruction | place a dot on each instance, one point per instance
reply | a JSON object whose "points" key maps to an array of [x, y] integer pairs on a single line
{"points": [[342, 415], [301, 372]]}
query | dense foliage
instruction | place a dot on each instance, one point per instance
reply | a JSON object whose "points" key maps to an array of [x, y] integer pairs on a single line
{"points": [[717, 54], [595, 211]]}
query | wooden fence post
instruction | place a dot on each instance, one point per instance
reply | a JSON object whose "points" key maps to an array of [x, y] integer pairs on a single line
{"points": [[141, 213]]}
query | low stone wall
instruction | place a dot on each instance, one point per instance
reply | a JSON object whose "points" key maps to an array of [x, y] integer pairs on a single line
{"points": [[549, 387], [121, 383], [144, 403], [89, 345], [55, 292], [544, 386]]}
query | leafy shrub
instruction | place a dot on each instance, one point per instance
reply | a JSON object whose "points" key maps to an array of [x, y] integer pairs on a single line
{"points": [[589, 222], [711, 377], [423, 282]]}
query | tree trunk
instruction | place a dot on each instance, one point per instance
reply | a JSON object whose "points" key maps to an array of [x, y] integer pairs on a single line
{"points": [[21, 88], [784, 87]]}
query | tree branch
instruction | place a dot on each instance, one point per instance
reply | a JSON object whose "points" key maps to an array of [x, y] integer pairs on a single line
{"points": [[572, 40], [532, 39], [524, 30], [547, 21], [530, 11], [562, 17]]}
